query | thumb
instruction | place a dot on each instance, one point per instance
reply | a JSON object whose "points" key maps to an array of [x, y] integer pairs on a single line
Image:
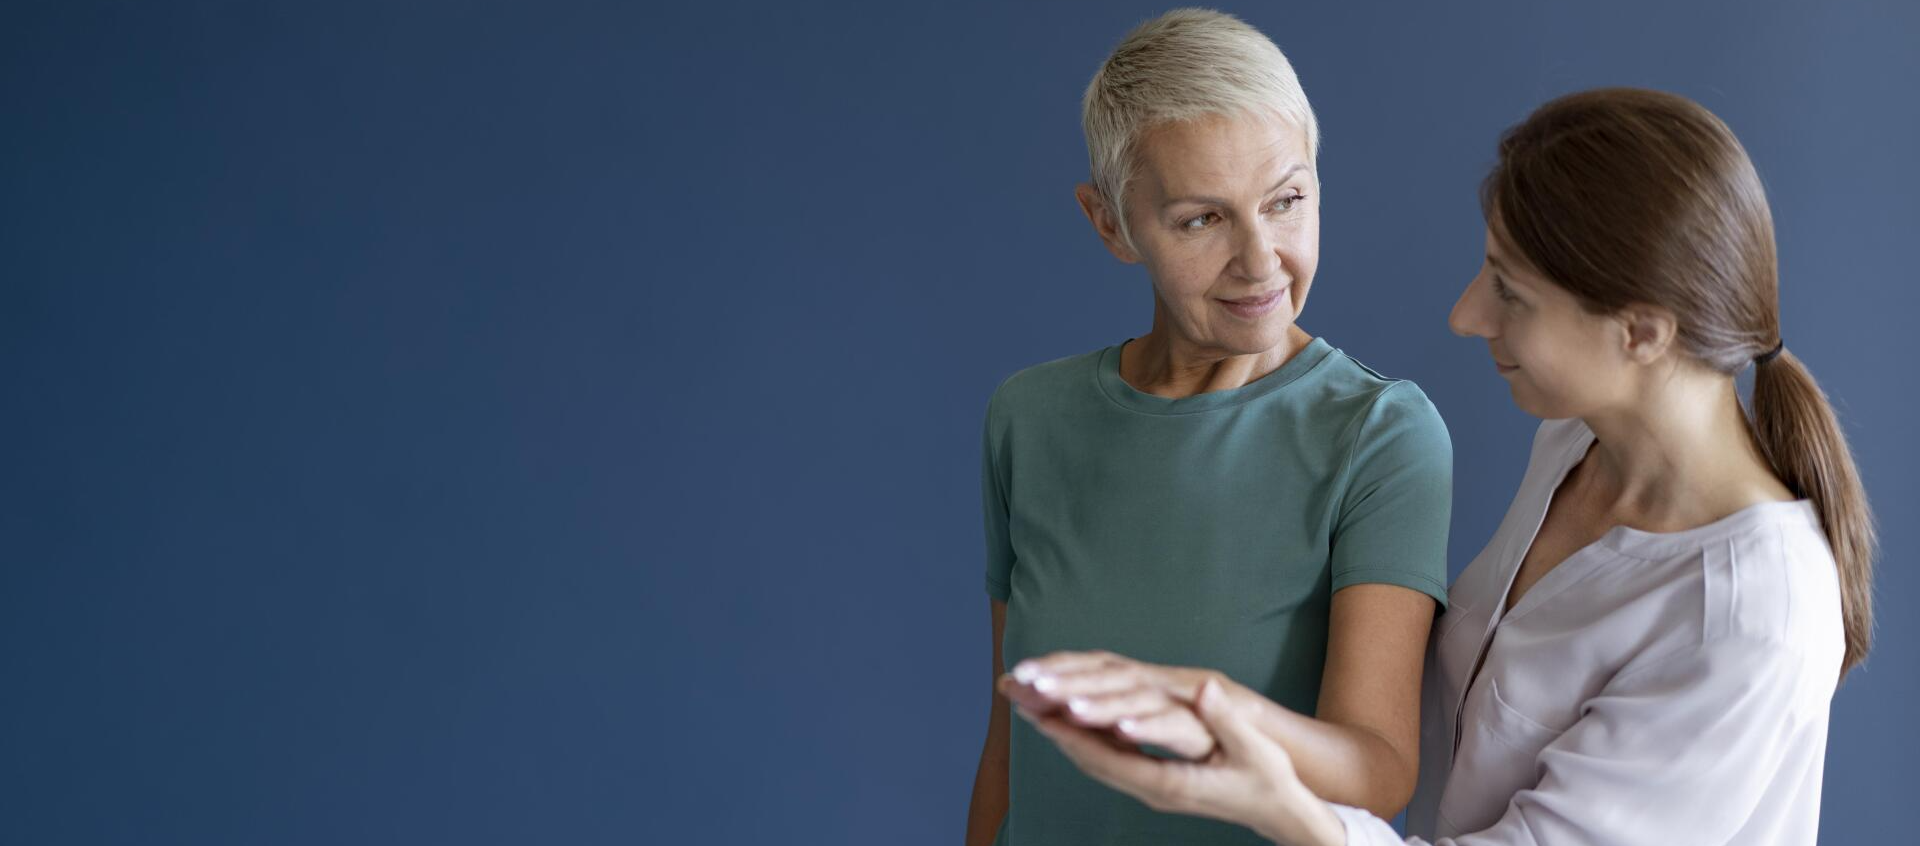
{"points": [[1235, 734]]}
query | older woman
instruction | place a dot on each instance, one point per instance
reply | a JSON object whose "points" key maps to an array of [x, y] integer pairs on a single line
{"points": [[1226, 490]]}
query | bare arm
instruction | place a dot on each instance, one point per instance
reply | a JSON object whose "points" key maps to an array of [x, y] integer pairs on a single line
{"points": [[989, 804], [1364, 747], [1362, 750]]}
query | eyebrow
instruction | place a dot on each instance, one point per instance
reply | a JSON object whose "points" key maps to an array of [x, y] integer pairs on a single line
{"points": [[1216, 201], [1507, 277]]}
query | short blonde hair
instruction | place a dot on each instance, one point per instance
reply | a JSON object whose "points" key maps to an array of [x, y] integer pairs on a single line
{"points": [[1184, 65]]}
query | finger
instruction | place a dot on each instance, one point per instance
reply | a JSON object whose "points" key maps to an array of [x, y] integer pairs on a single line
{"points": [[1176, 730], [1059, 663], [1235, 734], [1180, 683], [1057, 726], [1024, 695], [1094, 684], [1054, 663], [1107, 709], [1121, 768], [1045, 698]]}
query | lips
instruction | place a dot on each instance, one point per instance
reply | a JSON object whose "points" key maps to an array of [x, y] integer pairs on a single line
{"points": [[1260, 300], [1248, 308]]}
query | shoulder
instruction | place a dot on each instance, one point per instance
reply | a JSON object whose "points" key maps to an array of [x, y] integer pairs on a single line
{"points": [[1766, 593], [1775, 581], [1044, 383], [1381, 408]]}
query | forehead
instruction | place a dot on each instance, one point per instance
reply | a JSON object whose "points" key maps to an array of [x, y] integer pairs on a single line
{"points": [[1501, 252], [1220, 154]]}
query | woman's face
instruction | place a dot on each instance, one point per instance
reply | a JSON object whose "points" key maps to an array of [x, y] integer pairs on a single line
{"points": [[1559, 360], [1225, 214]]}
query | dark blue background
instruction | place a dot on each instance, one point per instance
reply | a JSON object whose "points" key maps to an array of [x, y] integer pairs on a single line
{"points": [[558, 422]]}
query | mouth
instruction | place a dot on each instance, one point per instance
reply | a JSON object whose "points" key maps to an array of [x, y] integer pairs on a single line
{"points": [[1255, 306], [1499, 365]]}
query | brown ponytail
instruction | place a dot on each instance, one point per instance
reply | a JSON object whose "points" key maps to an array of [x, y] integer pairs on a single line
{"points": [[1623, 196], [1800, 437]]}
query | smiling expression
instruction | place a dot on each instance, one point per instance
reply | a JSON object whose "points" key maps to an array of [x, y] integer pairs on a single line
{"points": [[1559, 359], [1224, 213]]}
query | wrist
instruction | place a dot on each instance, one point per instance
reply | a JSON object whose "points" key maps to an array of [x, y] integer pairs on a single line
{"points": [[1303, 819], [1325, 828]]}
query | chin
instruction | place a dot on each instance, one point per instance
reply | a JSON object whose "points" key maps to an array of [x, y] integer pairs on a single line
{"points": [[1251, 344], [1251, 340], [1532, 410], [1543, 408]]}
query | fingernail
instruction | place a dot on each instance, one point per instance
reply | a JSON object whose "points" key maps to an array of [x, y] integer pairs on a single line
{"points": [[1129, 726], [1079, 706], [1045, 684], [1024, 672]]}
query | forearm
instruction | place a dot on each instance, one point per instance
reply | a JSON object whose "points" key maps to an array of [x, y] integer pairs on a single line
{"points": [[989, 804], [1344, 764]]}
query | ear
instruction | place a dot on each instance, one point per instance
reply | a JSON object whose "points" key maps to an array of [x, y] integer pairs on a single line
{"points": [[1650, 332], [1105, 223]]}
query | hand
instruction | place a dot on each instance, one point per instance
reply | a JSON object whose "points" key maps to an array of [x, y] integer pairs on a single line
{"points": [[1138, 702], [1249, 780]]}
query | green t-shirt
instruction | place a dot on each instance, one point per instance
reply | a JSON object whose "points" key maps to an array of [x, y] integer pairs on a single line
{"points": [[1205, 531]]}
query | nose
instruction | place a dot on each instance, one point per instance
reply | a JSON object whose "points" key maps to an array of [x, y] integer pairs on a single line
{"points": [[1473, 314], [1256, 254]]}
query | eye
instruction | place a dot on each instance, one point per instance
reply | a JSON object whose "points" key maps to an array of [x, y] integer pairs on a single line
{"points": [[1195, 224], [1501, 290], [1288, 202]]}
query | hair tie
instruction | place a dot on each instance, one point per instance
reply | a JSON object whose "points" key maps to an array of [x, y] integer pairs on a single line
{"points": [[1771, 354]]}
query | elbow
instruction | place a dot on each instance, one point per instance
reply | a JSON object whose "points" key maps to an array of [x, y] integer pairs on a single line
{"points": [[1387, 794], [1391, 779], [1387, 804]]}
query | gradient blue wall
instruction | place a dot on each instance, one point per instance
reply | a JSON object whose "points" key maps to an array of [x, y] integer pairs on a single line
{"points": [[557, 422]]}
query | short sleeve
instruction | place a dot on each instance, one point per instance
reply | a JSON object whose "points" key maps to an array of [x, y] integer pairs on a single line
{"points": [[1682, 749], [994, 478], [1391, 523]]}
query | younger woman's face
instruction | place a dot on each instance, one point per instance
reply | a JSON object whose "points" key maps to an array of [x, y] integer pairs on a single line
{"points": [[1559, 359]]}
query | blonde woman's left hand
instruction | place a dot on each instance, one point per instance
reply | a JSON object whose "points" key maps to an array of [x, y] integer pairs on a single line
{"points": [[1141, 703], [1248, 779]]}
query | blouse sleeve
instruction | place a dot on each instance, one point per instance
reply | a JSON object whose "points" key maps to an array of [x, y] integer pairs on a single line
{"points": [[1679, 750]]}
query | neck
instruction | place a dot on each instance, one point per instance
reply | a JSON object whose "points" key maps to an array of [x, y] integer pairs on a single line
{"points": [[1166, 364], [1680, 456]]}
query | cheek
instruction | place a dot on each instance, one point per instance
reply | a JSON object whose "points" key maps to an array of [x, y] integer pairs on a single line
{"points": [[1562, 368], [1516, 334], [1302, 250], [1541, 350], [1185, 270]]}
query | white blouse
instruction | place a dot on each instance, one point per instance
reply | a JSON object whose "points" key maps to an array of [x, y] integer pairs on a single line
{"points": [[1651, 689]]}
